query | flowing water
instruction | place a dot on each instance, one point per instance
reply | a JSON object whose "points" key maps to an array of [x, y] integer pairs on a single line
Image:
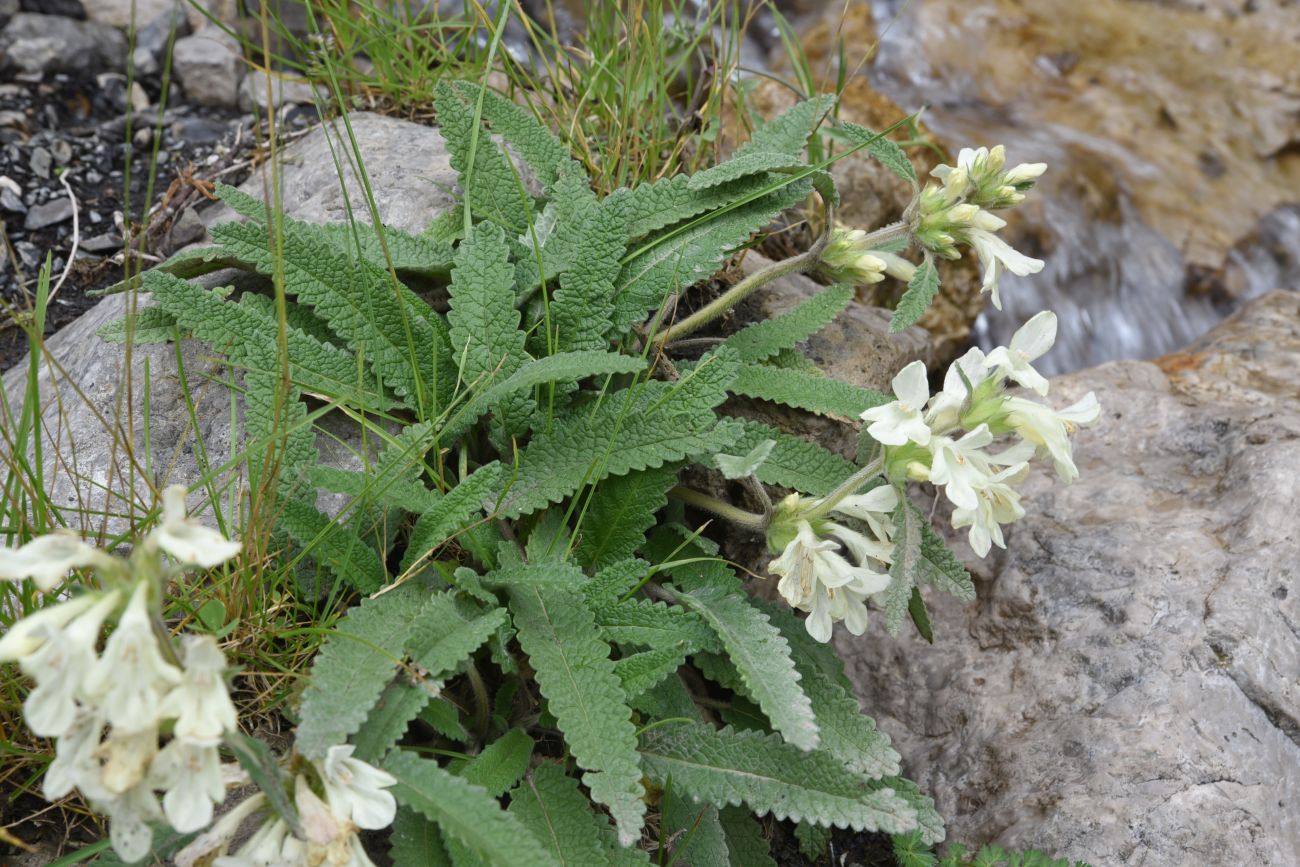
{"points": [[1173, 140]]}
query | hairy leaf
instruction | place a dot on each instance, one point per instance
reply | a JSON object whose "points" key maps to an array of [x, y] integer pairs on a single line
{"points": [[416, 842], [891, 156], [485, 336], [819, 394], [653, 624], [696, 835], [550, 805], [490, 186], [333, 545], [451, 513], [649, 207], [728, 767], [146, 325], [767, 337], [449, 630], [905, 566], [591, 236], [744, 165], [762, 657], [743, 466], [921, 290], [788, 132], [465, 812], [399, 704], [744, 839], [794, 462], [938, 565], [410, 254], [622, 508], [576, 675], [501, 764], [530, 139], [353, 666], [642, 671]]}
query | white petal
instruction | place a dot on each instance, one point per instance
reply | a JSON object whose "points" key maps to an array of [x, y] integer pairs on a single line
{"points": [[191, 543], [48, 559], [911, 387], [1036, 336]]}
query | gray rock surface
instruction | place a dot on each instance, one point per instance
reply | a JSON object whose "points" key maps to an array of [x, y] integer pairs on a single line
{"points": [[1126, 690], [8, 9], [50, 43], [209, 67], [95, 427], [117, 13], [252, 92], [53, 211]]}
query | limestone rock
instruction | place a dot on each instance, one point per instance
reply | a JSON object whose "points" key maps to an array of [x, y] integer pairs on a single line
{"points": [[209, 67], [1127, 688], [8, 9], [117, 13], [51, 43], [94, 440], [253, 92]]}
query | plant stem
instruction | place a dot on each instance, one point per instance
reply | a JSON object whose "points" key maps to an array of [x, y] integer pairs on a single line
{"points": [[742, 290], [701, 500], [847, 487]]}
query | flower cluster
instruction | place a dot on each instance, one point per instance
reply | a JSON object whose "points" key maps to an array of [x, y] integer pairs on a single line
{"points": [[829, 569], [110, 710], [959, 211], [356, 798]]}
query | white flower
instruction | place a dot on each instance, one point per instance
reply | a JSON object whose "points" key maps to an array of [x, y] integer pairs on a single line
{"points": [[1029, 342], [874, 508], [947, 404], [357, 790], [132, 675], [1050, 430], [201, 703], [191, 543], [32, 631], [59, 668], [262, 849], [816, 578], [216, 839], [75, 764], [996, 254], [191, 775], [960, 467], [846, 258], [806, 561], [127, 757], [1024, 173], [48, 559], [998, 504], [895, 423], [128, 822]]}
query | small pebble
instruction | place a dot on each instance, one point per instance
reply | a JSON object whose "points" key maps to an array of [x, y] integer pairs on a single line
{"points": [[48, 214], [41, 162], [28, 252], [11, 201], [62, 151], [103, 243]]}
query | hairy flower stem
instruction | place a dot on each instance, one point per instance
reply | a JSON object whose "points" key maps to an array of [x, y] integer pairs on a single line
{"points": [[890, 234], [738, 516], [795, 264], [848, 487]]}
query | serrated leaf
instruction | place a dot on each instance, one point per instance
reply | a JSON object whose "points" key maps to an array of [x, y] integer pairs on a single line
{"points": [[652, 624], [576, 675], [846, 732], [635, 429], [399, 704], [450, 629], [920, 617], [684, 255], [727, 768], [794, 462], [788, 132], [745, 839], [938, 565], [767, 337], [443, 717], [744, 165], [147, 325], [372, 488], [743, 466], [905, 566], [550, 805], [813, 840], [416, 842], [762, 657], [538, 147], [407, 253], [649, 207], [485, 337], [930, 823], [891, 156], [353, 666], [465, 812], [501, 764], [489, 185], [642, 671], [452, 513], [616, 579], [921, 290], [819, 394], [333, 545], [591, 240], [256, 758], [694, 834], [621, 510]]}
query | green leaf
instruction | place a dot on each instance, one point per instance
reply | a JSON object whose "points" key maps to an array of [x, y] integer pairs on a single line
{"points": [[378, 486], [501, 764], [905, 566], [148, 325], [744, 165], [695, 833], [485, 336], [575, 674], [490, 187], [409, 254], [813, 840], [788, 132], [930, 823], [616, 579], [819, 394], [891, 156], [653, 624], [465, 812], [353, 666], [400, 703], [452, 513], [415, 841], [745, 839], [591, 237], [682, 256], [649, 207], [541, 150], [920, 617], [921, 290], [443, 717], [550, 805], [335, 546], [642, 671], [449, 630], [740, 467], [796, 463], [762, 657], [938, 565], [636, 429], [767, 337], [727, 767], [256, 758], [846, 732], [621, 510]]}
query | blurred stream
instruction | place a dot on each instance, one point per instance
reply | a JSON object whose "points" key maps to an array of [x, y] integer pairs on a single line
{"points": [[1173, 189]]}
